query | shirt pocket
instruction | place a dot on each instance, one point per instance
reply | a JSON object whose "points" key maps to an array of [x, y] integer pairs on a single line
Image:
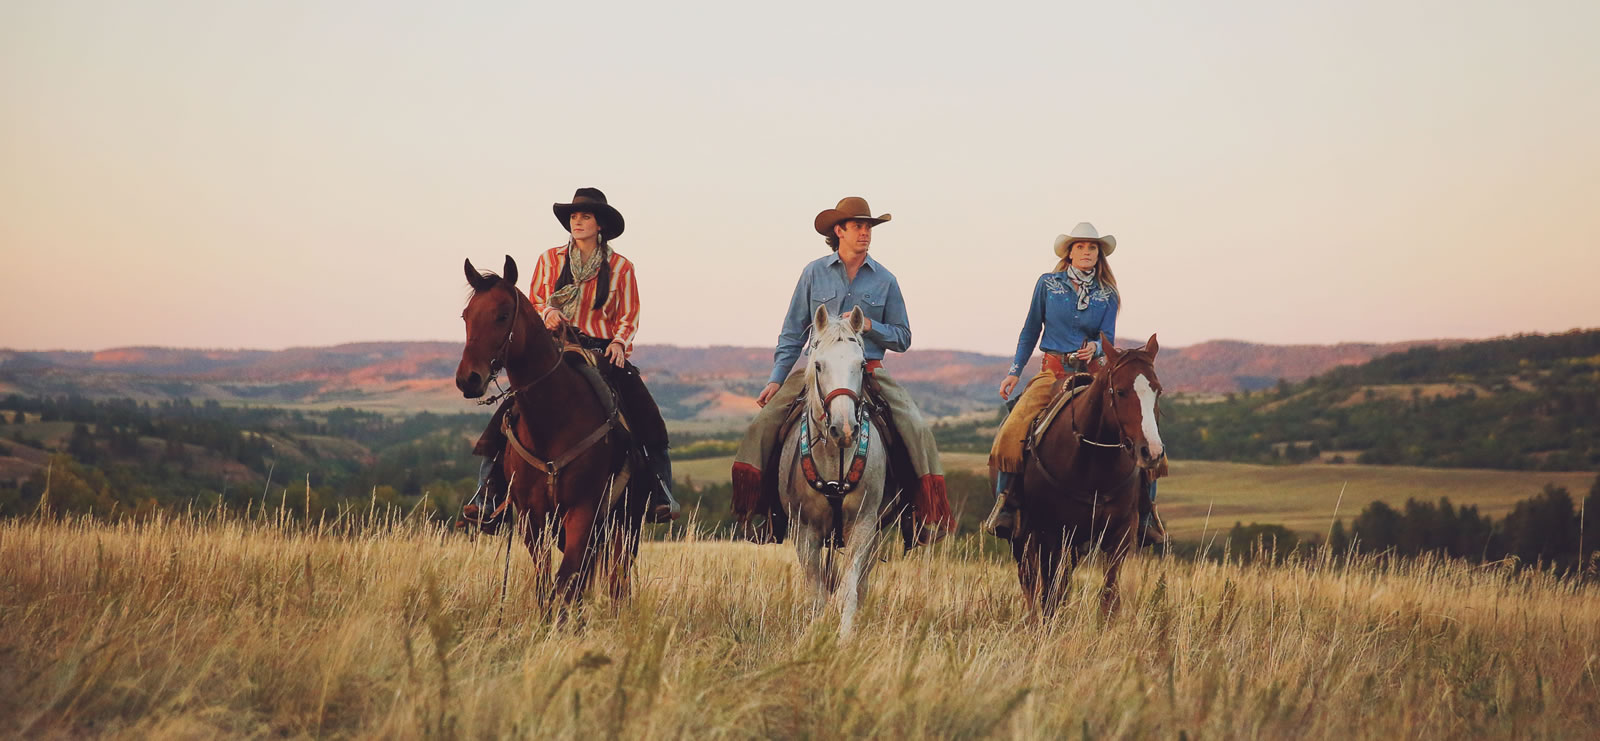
{"points": [[824, 297], [871, 304]]}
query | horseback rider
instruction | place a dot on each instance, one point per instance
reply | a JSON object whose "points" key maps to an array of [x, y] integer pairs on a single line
{"points": [[848, 278], [589, 289], [1072, 307]]}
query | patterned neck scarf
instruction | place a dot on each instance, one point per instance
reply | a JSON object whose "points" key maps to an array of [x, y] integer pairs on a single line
{"points": [[1083, 281], [565, 299]]}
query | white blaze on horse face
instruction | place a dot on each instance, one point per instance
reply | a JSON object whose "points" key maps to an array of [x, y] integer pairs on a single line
{"points": [[1147, 412]]}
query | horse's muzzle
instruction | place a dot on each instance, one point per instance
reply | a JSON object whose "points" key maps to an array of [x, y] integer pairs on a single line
{"points": [[472, 385], [1149, 459]]}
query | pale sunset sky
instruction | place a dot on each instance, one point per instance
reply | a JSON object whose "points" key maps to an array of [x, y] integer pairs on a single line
{"points": [[271, 174]]}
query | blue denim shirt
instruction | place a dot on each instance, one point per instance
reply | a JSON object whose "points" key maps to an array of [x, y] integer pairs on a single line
{"points": [[824, 283], [1054, 313]]}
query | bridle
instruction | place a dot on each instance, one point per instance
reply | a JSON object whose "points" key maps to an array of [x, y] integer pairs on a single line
{"points": [[1037, 461], [816, 383], [1126, 442], [849, 476], [498, 362]]}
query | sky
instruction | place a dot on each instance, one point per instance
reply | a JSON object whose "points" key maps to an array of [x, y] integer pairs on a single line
{"points": [[221, 174]]}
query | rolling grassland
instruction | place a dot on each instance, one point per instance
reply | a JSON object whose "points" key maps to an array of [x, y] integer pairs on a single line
{"points": [[1202, 497], [388, 628]]}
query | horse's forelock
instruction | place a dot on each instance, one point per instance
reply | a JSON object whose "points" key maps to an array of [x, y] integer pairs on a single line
{"points": [[493, 281], [836, 331]]}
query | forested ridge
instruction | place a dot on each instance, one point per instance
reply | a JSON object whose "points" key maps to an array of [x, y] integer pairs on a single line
{"points": [[1529, 402]]}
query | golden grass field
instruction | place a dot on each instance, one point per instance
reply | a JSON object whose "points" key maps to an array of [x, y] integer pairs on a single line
{"points": [[197, 628], [1300, 497]]}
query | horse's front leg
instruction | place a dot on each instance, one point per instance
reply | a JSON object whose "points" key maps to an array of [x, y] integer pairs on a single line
{"points": [[808, 548], [1118, 543], [534, 529], [623, 544], [1025, 551], [577, 559], [862, 542]]}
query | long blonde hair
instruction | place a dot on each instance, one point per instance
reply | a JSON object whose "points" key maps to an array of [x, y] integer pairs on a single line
{"points": [[1102, 271]]}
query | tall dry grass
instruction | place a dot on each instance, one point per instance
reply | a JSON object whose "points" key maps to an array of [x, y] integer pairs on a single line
{"points": [[196, 627]]}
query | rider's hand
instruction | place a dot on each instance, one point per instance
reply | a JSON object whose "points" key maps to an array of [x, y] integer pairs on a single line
{"points": [[767, 394], [552, 320], [615, 354], [1007, 385], [1086, 353]]}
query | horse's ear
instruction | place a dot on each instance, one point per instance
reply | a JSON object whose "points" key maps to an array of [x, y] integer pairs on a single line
{"points": [[858, 320], [820, 318], [510, 273], [1109, 348], [474, 278], [1152, 346]]}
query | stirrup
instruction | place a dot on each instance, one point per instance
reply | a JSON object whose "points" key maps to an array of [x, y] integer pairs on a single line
{"points": [[662, 512], [473, 516], [1002, 520], [1151, 531]]}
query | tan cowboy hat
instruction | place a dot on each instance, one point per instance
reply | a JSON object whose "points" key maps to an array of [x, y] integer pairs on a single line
{"points": [[851, 208], [591, 200], [1085, 232]]}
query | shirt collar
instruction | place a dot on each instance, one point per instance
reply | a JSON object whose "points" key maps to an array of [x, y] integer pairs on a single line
{"points": [[869, 262]]}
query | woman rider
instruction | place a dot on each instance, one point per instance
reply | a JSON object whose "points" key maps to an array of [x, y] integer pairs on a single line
{"points": [[586, 285], [1072, 307]]}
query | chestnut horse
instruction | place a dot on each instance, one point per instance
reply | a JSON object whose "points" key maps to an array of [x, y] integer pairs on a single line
{"points": [[572, 444], [1081, 485]]}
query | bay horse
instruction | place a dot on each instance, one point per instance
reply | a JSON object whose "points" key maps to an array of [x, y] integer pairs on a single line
{"points": [[1080, 486], [572, 447], [833, 467]]}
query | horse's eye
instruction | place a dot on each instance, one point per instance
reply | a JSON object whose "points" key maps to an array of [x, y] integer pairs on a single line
{"points": [[502, 317]]}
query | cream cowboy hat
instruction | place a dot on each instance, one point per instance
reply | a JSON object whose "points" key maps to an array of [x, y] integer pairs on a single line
{"points": [[1085, 232], [850, 208]]}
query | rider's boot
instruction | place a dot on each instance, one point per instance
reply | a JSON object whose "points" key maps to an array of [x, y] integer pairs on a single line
{"points": [[662, 508], [1002, 519], [1151, 531], [484, 510]]}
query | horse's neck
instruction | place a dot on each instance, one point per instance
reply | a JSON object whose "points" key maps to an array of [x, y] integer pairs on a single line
{"points": [[555, 400], [1099, 419]]}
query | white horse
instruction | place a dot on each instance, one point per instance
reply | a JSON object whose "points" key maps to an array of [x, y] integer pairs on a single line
{"points": [[833, 467]]}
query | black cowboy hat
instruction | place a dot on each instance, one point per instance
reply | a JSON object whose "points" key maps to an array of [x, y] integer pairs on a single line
{"points": [[591, 200]]}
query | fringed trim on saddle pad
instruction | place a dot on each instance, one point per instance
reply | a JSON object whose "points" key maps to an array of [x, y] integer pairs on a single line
{"points": [[746, 490], [932, 504]]}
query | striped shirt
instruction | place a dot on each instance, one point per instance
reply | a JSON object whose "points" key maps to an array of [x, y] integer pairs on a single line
{"points": [[617, 319]]}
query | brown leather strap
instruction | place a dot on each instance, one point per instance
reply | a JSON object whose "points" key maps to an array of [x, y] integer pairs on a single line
{"points": [[552, 468]]}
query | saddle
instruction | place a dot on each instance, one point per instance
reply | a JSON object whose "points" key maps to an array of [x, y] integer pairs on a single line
{"points": [[895, 510], [1065, 388]]}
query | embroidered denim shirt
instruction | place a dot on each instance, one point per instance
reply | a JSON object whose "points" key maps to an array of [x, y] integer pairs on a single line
{"points": [[1054, 313], [823, 282]]}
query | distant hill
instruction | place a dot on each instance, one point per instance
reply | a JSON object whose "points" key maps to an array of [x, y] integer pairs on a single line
{"points": [[1526, 402], [692, 383]]}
